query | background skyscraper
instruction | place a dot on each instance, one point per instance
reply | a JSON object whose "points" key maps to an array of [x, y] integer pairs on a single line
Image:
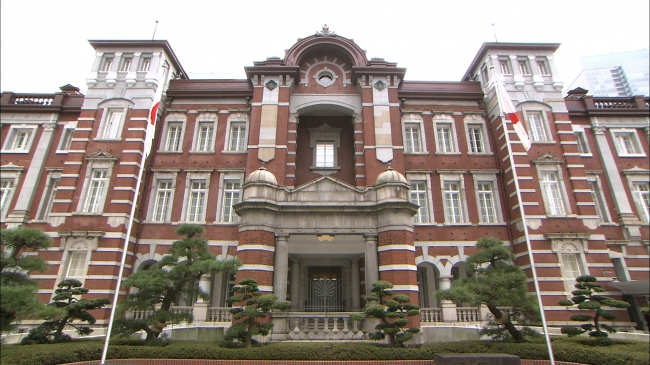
{"points": [[615, 74]]}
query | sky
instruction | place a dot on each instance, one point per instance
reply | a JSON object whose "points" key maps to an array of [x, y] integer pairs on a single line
{"points": [[44, 43]]}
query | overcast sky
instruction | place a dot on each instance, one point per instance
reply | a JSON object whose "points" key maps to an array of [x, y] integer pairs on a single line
{"points": [[44, 43]]}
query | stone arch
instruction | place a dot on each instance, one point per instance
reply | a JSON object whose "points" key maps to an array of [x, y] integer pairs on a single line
{"points": [[428, 277], [306, 46]]}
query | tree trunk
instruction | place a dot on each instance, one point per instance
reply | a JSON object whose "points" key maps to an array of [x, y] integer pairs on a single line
{"points": [[249, 332], [61, 326], [504, 319]]}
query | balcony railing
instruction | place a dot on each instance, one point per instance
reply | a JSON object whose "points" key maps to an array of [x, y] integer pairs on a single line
{"points": [[430, 315], [32, 100], [215, 314], [462, 315], [321, 326]]}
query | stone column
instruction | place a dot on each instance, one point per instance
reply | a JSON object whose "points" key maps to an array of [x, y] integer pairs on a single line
{"points": [[355, 284], [295, 284], [372, 265], [281, 267], [21, 212], [449, 313]]}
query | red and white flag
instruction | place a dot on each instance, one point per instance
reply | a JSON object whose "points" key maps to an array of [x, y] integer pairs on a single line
{"points": [[151, 128], [508, 109]]}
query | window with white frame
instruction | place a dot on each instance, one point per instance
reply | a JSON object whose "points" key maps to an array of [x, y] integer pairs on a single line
{"points": [[420, 196], [162, 204], [127, 60], [19, 139], [581, 138], [627, 142], [6, 190], [231, 196], [76, 266], [49, 193], [325, 142], [485, 192], [552, 195], [523, 67], [111, 127], [96, 182], [445, 134], [504, 64], [10, 175], [237, 136], [542, 66], [145, 63], [453, 198], [173, 136], [571, 263], [642, 199], [413, 133], [477, 141], [97, 186], [107, 63], [196, 200], [204, 136], [598, 198], [66, 139], [538, 127]]}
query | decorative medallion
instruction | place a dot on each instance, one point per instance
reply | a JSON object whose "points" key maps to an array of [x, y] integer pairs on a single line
{"points": [[380, 85], [271, 84]]}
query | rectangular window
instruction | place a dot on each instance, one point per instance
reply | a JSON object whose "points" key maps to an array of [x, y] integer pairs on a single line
{"points": [[583, 147], [627, 143], [21, 140], [642, 196], [76, 264], [196, 203], [145, 63], [205, 136], [48, 197], [112, 124], [107, 62], [66, 139], [453, 203], [96, 191], [419, 197], [412, 138], [445, 137], [5, 191], [173, 140], [324, 154], [486, 202], [475, 139], [231, 196], [538, 129], [505, 67], [543, 68], [571, 267], [599, 202], [551, 190], [126, 64], [523, 67], [237, 136], [162, 206]]}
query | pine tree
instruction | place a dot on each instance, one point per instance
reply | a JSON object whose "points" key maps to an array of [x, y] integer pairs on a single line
{"points": [[66, 298], [254, 308], [157, 288], [495, 281], [586, 297]]}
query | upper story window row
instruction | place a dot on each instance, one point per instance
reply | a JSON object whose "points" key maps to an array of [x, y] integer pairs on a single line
{"points": [[202, 136]]}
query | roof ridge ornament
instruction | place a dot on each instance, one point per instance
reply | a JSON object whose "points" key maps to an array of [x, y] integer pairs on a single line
{"points": [[325, 32]]}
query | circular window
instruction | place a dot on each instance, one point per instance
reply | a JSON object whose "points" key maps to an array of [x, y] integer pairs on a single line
{"points": [[325, 77]]}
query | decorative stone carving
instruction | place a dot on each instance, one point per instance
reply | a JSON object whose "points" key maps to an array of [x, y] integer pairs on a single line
{"points": [[380, 85], [534, 223], [599, 130], [271, 84]]}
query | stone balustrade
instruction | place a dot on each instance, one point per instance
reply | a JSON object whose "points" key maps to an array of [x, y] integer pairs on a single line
{"points": [[321, 326]]}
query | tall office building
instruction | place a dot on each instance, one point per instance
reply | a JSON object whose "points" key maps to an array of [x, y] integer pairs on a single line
{"points": [[615, 74]]}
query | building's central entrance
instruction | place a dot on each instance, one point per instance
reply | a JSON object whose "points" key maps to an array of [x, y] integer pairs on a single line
{"points": [[324, 290]]}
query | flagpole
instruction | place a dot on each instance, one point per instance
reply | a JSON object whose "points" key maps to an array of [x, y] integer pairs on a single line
{"points": [[125, 249], [515, 178]]}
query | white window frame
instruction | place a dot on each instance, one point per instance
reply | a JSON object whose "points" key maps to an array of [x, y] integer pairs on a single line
{"points": [[524, 66], [145, 62], [445, 121], [543, 67], [66, 140], [454, 178], [160, 176], [545, 184], [49, 194], [622, 148], [204, 120], [104, 162], [80, 244], [476, 121], [581, 139], [574, 249], [126, 62], [225, 213], [541, 134], [9, 174], [236, 120], [485, 177], [107, 63], [504, 66], [105, 132], [190, 178], [325, 136], [641, 195], [598, 196], [425, 179], [13, 137], [637, 177], [173, 120], [413, 121]]}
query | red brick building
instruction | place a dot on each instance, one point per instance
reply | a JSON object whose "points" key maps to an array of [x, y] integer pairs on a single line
{"points": [[326, 171]]}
